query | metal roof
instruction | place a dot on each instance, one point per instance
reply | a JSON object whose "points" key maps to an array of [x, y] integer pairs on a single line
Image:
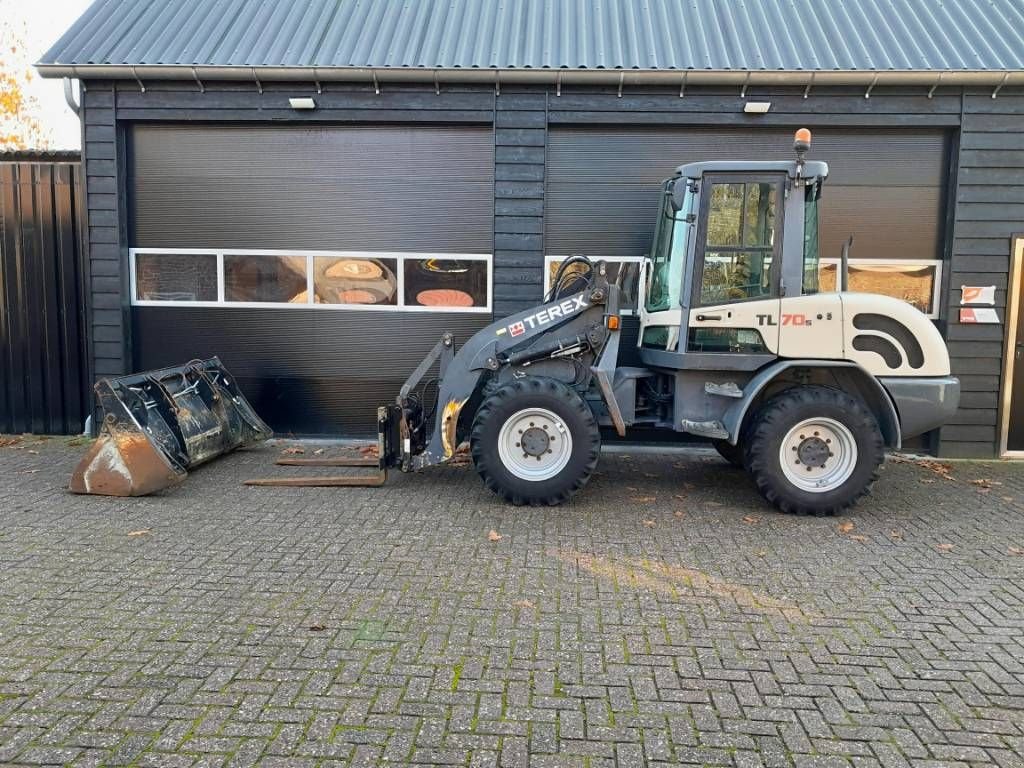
{"points": [[866, 37]]}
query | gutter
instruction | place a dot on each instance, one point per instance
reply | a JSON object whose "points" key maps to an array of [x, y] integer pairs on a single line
{"points": [[621, 77]]}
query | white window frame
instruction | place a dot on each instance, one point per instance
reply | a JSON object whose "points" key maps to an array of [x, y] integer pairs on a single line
{"points": [[551, 258], [934, 263], [399, 256]]}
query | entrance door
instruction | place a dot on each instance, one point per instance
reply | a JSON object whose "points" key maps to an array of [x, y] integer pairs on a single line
{"points": [[1013, 386]]}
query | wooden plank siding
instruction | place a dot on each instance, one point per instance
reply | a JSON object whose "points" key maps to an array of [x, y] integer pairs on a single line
{"points": [[989, 209], [102, 155], [988, 205], [520, 146]]}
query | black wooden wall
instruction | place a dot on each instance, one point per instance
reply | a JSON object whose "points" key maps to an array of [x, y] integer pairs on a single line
{"points": [[985, 191], [42, 332]]}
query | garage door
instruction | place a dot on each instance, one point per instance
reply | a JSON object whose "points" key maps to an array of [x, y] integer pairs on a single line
{"points": [[321, 264], [885, 188]]}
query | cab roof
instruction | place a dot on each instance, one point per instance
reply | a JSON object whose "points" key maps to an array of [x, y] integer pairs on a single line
{"points": [[812, 168]]}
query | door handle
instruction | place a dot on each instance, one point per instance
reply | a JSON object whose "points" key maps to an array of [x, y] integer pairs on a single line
{"points": [[702, 318]]}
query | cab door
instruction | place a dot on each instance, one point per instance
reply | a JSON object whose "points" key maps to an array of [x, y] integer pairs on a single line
{"points": [[734, 304]]}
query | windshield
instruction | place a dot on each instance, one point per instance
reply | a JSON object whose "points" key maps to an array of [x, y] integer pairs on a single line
{"points": [[668, 252]]}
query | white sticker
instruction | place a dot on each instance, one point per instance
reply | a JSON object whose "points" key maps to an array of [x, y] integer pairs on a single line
{"points": [[978, 294], [978, 315]]}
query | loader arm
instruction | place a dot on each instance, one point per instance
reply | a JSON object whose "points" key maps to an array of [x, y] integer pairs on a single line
{"points": [[563, 326]]}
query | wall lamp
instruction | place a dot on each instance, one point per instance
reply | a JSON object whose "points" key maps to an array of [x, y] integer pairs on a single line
{"points": [[757, 107], [304, 103]]}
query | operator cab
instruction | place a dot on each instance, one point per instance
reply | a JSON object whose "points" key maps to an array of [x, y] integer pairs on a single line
{"points": [[710, 293]]}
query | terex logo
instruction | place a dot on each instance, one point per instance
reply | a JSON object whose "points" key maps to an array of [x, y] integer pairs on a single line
{"points": [[545, 316]]}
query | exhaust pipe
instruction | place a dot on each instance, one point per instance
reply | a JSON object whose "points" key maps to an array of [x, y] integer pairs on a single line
{"points": [[159, 424]]}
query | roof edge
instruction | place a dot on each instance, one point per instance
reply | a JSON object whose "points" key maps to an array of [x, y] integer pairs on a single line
{"points": [[497, 76]]}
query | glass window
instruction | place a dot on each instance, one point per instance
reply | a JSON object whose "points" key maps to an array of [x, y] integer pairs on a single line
{"points": [[629, 271], [175, 277], [342, 280], [811, 254], [265, 279], [913, 283], [444, 282], [744, 340], [740, 242]]}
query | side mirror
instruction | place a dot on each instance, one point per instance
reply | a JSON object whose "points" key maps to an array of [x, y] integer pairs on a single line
{"points": [[844, 265]]}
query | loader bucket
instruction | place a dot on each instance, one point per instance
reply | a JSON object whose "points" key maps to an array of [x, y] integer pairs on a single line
{"points": [[159, 424]]}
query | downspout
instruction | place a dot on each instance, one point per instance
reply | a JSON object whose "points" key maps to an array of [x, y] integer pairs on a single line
{"points": [[69, 97]]}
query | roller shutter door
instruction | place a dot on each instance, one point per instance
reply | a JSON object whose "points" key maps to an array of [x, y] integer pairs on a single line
{"points": [[885, 188], [381, 189]]}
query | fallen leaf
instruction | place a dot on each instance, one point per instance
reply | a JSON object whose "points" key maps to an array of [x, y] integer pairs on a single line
{"points": [[1007, 498], [140, 532], [714, 503], [649, 523], [523, 604], [493, 536], [293, 450], [318, 627], [644, 499], [631, 488], [679, 514], [845, 527], [34, 453], [318, 452], [944, 547], [926, 480], [858, 537], [7, 442], [762, 553], [29, 471], [1015, 551], [751, 520], [679, 496], [896, 534]]}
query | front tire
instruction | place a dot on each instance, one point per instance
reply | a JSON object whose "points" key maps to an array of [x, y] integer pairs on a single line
{"points": [[815, 451], [535, 441]]}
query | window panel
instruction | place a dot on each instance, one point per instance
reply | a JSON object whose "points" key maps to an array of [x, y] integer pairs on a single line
{"points": [[629, 284], [445, 282], [725, 217], [913, 283], [343, 280], [175, 277], [735, 276], [328, 279], [759, 215], [265, 279]]}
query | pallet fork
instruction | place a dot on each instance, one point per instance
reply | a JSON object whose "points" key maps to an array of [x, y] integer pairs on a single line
{"points": [[387, 435]]}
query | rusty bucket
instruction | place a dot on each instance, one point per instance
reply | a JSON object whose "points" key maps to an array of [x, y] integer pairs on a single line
{"points": [[159, 424]]}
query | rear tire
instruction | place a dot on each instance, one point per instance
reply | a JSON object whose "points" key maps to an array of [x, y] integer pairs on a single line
{"points": [[814, 450], [535, 441], [734, 454]]}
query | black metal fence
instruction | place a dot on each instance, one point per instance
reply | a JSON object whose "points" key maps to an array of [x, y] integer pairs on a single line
{"points": [[43, 370]]}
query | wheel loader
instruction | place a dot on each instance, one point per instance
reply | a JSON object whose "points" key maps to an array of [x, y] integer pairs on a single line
{"points": [[803, 389]]}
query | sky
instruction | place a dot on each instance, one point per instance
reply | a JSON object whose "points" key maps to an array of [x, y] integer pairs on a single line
{"points": [[45, 21]]}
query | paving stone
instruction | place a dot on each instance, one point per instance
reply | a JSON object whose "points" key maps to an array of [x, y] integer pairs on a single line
{"points": [[583, 637]]}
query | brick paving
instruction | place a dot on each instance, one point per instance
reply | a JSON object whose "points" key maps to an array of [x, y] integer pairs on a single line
{"points": [[665, 617]]}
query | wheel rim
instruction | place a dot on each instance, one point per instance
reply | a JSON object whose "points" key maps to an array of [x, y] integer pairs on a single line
{"points": [[534, 444], [818, 455]]}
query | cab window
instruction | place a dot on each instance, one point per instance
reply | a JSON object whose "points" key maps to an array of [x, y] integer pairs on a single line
{"points": [[740, 238], [812, 261]]}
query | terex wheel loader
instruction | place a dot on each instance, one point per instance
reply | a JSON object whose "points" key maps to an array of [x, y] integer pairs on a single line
{"points": [[803, 389]]}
